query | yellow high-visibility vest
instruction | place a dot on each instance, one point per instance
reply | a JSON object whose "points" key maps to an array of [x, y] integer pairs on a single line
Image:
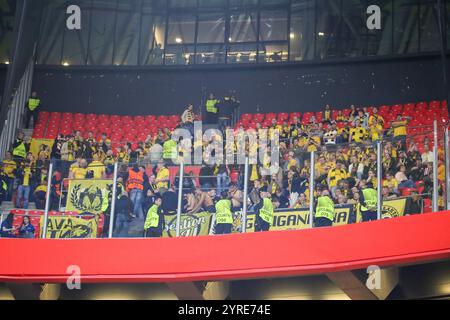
{"points": [[152, 220], [33, 103], [223, 212], [20, 150], [370, 199], [325, 208], [266, 212], [211, 105]]}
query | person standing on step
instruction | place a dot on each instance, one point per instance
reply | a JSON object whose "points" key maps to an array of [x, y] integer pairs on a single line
{"points": [[32, 109]]}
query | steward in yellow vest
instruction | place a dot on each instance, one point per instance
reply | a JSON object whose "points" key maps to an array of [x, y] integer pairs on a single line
{"points": [[33, 103], [211, 110], [224, 217], [20, 148], [324, 210], [170, 151], [264, 213], [368, 199], [154, 223]]}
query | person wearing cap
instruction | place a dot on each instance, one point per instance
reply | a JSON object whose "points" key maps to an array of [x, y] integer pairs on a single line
{"points": [[264, 213], [324, 210], [154, 223], [369, 201]]}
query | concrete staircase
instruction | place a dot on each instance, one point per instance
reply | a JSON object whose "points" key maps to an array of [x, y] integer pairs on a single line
{"points": [[27, 132]]}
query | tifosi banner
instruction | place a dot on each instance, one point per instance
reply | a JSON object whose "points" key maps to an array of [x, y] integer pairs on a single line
{"points": [[191, 225], [36, 144], [393, 208], [87, 195], [70, 228], [296, 219]]}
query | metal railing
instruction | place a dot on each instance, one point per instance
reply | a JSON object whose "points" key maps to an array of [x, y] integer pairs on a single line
{"points": [[245, 188]]}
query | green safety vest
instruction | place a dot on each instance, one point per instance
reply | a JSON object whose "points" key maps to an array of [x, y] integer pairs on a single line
{"points": [[266, 212], [33, 103], [370, 199], [20, 151], [325, 208], [152, 220], [211, 106], [223, 212], [4, 185], [170, 149]]}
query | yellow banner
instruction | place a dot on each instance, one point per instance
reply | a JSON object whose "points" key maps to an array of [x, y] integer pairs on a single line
{"points": [[87, 195], [36, 144], [191, 225], [393, 208], [296, 219], [66, 227]]}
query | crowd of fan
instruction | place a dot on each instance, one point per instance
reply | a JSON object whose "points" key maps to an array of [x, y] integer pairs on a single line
{"points": [[346, 162]]}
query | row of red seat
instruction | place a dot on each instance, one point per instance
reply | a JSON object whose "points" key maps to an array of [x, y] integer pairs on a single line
{"points": [[49, 125], [422, 113]]}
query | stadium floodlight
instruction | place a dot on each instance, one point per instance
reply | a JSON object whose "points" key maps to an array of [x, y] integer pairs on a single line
{"points": [[65, 64], [178, 40], [292, 35]]}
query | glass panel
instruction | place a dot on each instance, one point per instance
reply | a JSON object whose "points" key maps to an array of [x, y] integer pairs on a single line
{"points": [[274, 2], [102, 33], [272, 52], [328, 24], [6, 29], [302, 30], [181, 29], [76, 41], [211, 28], [127, 34], [212, 3], [183, 3], [243, 53], [380, 41], [273, 25], [242, 3], [406, 27], [429, 31], [210, 54], [180, 55], [152, 40], [52, 31], [243, 27], [353, 31]]}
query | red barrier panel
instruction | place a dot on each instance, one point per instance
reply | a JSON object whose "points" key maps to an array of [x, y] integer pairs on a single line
{"points": [[412, 239]]}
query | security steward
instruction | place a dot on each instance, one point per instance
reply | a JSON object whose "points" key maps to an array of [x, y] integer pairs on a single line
{"points": [[154, 223], [33, 104], [20, 147], [368, 198], [324, 210], [211, 110], [264, 213], [170, 151], [224, 217]]}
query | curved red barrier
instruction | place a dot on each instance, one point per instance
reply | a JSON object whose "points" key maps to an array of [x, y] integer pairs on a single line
{"points": [[406, 240]]}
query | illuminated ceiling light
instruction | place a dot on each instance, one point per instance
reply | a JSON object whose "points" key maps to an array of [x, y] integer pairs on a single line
{"points": [[321, 34], [292, 35], [178, 40], [65, 64], [186, 56], [6, 62], [230, 39]]}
